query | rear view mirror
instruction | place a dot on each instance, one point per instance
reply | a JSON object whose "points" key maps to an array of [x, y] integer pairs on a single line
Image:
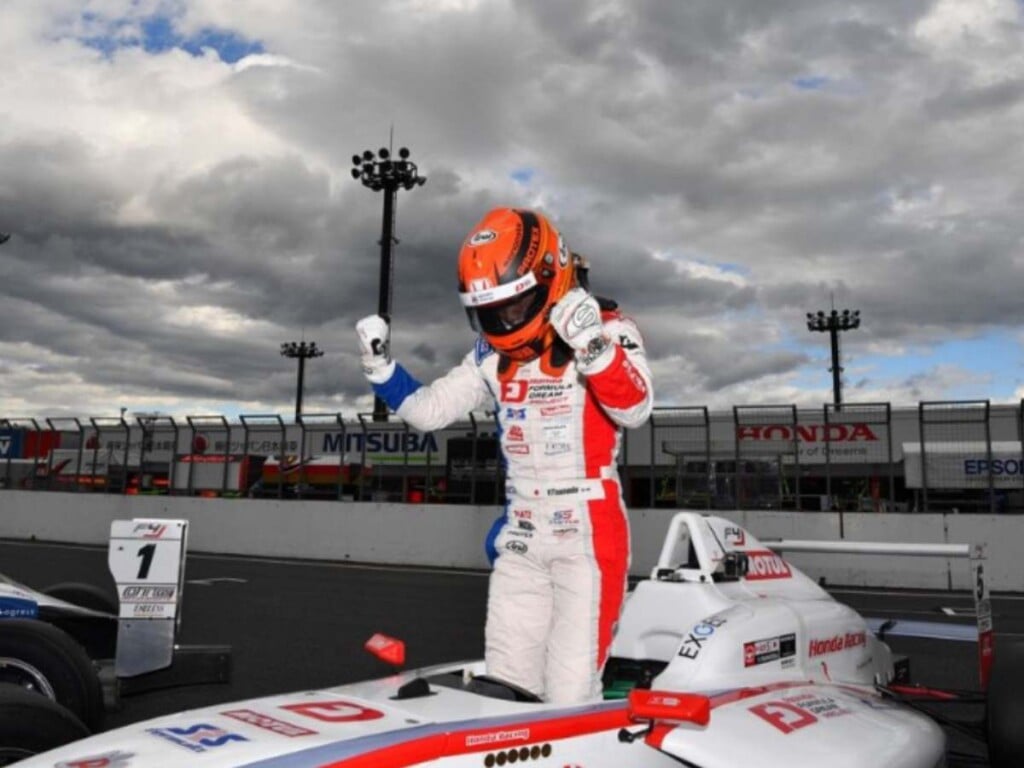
{"points": [[667, 705], [388, 649]]}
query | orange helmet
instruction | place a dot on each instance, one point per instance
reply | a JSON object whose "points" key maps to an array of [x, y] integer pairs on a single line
{"points": [[513, 267]]}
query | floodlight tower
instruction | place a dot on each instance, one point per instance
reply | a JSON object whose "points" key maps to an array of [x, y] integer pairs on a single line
{"points": [[834, 323], [302, 351], [381, 173]]}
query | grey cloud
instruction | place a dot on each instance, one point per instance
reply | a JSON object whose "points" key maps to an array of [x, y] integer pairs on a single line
{"points": [[652, 127], [959, 102]]}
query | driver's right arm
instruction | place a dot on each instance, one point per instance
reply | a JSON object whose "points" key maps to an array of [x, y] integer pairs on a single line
{"points": [[426, 408], [438, 404]]}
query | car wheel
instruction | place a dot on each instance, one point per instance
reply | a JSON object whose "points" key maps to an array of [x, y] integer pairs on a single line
{"points": [[40, 658], [30, 724], [1005, 710], [84, 596]]}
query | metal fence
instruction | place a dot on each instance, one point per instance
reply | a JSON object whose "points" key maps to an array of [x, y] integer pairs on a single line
{"points": [[950, 456]]}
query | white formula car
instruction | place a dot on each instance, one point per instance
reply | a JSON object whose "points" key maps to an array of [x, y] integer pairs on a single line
{"points": [[727, 656]]}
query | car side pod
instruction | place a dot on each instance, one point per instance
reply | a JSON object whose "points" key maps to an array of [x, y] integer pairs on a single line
{"points": [[663, 710]]}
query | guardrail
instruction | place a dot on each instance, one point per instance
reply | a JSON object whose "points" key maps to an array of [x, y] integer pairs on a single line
{"points": [[950, 456]]}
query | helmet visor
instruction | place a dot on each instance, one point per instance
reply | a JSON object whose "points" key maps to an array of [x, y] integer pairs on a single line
{"points": [[509, 316]]}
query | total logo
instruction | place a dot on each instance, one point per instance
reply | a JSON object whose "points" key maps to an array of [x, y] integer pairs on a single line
{"points": [[836, 643], [764, 565]]}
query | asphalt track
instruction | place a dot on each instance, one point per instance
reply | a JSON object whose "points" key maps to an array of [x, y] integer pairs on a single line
{"points": [[298, 625]]}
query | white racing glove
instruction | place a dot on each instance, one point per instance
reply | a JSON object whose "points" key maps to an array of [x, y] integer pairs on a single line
{"points": [[375, 346], [577, 319]]}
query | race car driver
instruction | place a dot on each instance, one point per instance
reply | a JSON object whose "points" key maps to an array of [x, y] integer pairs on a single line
{"points": [[564, 372]]}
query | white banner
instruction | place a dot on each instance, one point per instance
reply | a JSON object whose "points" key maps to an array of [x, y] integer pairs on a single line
{"points": [[964, 465]]}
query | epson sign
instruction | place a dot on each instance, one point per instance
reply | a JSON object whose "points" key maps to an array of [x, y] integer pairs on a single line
{"points": [[995, 467]]}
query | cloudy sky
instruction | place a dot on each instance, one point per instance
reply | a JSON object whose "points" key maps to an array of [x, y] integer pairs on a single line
{"points": [[175, 175]]}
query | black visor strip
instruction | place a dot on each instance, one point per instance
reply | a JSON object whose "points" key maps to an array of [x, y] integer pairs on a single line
{"points": [[530, 225]]}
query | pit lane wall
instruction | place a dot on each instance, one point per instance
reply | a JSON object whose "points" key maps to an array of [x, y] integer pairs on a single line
{"points": [[452, 535]]}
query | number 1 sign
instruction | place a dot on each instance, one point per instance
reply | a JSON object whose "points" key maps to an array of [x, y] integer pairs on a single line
{"points": [[145, 559]]}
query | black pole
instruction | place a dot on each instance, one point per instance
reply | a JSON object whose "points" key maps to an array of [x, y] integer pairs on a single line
{"points": [[298, 389], [837, 384], [834, 322], [387, 240], [300, 350], [381, 172]]}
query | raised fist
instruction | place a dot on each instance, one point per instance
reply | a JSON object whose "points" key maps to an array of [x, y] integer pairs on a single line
{"points": [[375, 348], [576, 318]]}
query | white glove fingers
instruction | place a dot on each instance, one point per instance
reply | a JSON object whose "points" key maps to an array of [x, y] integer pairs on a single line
{"points": [[374, 335]]}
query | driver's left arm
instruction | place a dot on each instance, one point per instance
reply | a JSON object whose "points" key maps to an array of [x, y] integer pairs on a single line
{"points": [[620, 379]]}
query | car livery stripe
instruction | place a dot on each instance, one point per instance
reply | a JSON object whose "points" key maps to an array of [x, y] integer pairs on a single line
{"points": [[18, 608], [416, 745]]}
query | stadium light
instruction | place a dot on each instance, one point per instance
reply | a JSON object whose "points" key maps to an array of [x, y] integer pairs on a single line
{"points": [[834, 322], [302, 351], [381, 172]]}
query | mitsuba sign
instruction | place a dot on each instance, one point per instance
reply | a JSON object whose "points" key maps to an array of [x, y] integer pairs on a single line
{"points": [[394, 442], [808, 433]]}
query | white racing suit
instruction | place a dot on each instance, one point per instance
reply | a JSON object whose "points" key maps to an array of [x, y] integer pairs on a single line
{"points": [[560, 577]]}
